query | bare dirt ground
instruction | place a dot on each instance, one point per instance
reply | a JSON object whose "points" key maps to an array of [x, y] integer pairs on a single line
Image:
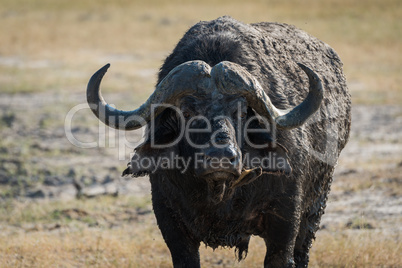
{"points": [[368, 179]]}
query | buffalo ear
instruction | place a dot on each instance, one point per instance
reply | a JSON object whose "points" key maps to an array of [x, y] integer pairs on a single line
{"points": [[262, 151], [277, 161], [146, 158], [272, 160], [138, 168]]}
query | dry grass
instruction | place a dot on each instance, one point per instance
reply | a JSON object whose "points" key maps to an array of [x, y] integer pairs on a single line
{"points": [[356, 249], [120, 249], [108, 232], [48, 45]]}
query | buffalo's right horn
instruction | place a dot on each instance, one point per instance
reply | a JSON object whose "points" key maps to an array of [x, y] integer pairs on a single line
{"points": [[179, 82], [232, 78]]}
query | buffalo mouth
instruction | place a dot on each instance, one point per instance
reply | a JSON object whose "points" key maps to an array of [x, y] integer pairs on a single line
{"points": [[218, 183]]}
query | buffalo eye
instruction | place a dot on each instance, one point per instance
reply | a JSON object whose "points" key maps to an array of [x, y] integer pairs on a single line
{"points": [[186, 114], [241, 114]]}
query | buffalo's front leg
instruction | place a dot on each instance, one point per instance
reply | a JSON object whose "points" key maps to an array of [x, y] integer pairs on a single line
{"points": [[184, 250], [280, 234]]}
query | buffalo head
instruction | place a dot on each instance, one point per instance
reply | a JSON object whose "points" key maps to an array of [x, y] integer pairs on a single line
{"points": [[216, 124]]}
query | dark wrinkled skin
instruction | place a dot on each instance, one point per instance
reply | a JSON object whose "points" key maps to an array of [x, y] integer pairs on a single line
{"points": [[283, 206]]}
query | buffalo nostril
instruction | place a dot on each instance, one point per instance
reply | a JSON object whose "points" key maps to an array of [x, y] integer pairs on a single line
{"points": [[224, 157], [222, 141]]}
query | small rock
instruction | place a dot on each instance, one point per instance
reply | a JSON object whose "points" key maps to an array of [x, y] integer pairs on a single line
{"points": [[71, 173], [39, 193], [107, 180], [348, 172], [54, 181], [4, 179], [359, 225]]}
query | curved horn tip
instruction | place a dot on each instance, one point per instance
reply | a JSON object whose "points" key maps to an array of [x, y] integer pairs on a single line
{"points": [[301, 65], [104, 68], [94, 81], [96, 77], [304, 67], [310, 73]]}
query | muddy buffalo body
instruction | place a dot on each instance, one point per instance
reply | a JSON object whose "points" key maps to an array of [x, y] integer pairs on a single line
{"points": [[249, 121]]}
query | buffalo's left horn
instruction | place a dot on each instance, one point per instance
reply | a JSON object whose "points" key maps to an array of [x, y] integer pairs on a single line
{"points": [[179, 82], [236, 79]]}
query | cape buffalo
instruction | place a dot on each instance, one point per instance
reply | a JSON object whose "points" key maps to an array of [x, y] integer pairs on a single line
{"points": [[242, 138]]}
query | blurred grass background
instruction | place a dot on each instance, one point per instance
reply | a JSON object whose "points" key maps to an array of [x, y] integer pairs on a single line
{"points": [[48, 51], [54, 45]]}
